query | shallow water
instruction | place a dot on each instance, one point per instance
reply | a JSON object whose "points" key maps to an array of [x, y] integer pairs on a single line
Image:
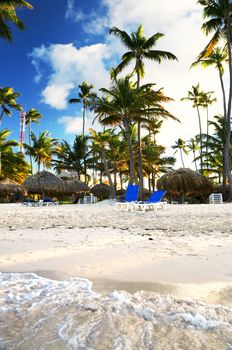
{"points": [[39, 313]]}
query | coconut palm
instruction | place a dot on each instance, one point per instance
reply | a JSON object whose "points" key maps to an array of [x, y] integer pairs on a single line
{"points": [[193, 146], [216, 59], [180, 146], [196, 96], [73, 158], [215, 148], [101, 141], [42, 149], [85, 96], [8, 15], [140, 48], [8, 101], [218, 15], [32, 116], [125, 103]]}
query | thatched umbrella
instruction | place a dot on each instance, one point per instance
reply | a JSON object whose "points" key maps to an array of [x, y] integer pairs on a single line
{"points": [[10, 188], [44, 183], [102, 191], [75, 186], [183, 182]]}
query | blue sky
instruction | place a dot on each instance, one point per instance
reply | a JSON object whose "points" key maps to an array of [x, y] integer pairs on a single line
{"points": [[67, 42]]}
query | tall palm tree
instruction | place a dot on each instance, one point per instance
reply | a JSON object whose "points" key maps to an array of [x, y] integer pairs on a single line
{"points": [[8, 101], [86, 97], [32, 116], [180, 146], [196, 96], [216, 59], [218, 15], [42, 149], [193, 146], [101, 140], [8, 14], [125, 103], [140, 48]]}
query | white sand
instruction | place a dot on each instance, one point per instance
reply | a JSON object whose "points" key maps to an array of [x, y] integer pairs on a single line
{"points": [[181, 244]]}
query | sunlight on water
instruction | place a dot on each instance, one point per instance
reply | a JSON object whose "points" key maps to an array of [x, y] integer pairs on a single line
{"points": [[38, 313]]}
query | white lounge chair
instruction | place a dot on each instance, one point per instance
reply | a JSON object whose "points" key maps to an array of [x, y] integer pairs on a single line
{"points": [[215, 198]]}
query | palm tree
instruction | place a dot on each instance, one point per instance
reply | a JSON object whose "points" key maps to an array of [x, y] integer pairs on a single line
{"points": [[8, 101], [5, 145], [101, 140], [216, 59], [8, 14], [73, 158], [140, 48], [219, 18], [215, 148], [125, 104], [86, 97], [42, 149], [194, 147], [197, 97], [181, 146], [32, 116]]}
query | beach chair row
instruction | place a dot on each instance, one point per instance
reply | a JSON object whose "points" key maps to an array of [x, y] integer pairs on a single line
{"points": [[46, 202], [131, 200]]}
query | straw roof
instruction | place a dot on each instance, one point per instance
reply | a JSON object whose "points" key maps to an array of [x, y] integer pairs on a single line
{"points": [[44, 182], [184, 181], [101, 191], [75, 186], [10, 187]]}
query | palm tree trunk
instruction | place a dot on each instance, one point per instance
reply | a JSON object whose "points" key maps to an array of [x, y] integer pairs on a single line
{"points": [[1, 116], [115, 176], [227, 153], [29, 125], [131, 153], [140, 156], [207, 131], [200, 129], [112, 191], [194, 156], [83, 125], [181, 156], [224, 109]]}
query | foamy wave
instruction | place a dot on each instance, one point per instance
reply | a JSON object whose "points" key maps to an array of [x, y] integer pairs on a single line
{"points": [[38, 313]]}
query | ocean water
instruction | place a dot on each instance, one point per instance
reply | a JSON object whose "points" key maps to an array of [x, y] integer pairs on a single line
{"points": [[37, 313]]}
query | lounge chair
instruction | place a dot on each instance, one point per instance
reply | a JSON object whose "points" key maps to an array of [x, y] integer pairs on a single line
{"points": [[47, 202], [153, 202], [30, 203], [130, 197]]}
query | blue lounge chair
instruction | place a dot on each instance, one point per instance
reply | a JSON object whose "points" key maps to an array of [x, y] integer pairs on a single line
{"points": [[130, 197], [153, 202]]}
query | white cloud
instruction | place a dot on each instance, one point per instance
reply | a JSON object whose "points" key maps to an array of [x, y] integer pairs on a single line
{"points": [[70, 13], [73, 125], [69, 67]]}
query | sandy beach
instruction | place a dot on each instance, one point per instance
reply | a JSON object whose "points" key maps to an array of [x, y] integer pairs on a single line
{"points": [[181, 244], [89, 277]]}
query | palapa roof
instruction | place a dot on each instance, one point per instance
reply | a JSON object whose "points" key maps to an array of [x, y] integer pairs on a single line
{"points": [[44, 182], [184, 181], [75, 186], [101, 190], [11, 187]]}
